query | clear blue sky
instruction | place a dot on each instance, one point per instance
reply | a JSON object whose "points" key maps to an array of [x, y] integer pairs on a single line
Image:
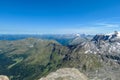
{"points": [[59, 16]]}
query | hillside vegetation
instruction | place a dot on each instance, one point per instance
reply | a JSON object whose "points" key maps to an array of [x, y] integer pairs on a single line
{"points": [[30, 59]]}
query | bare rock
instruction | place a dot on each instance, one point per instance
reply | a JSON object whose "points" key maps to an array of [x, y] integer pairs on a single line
{"points": [[65, 74], [2, 77]]}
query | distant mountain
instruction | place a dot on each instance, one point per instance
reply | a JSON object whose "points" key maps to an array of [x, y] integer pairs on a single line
{"points": [[107, 37], [64, 39], [80, 38], [104, 44]]}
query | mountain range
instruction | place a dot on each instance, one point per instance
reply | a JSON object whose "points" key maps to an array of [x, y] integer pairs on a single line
{"points": [[32, 58]]}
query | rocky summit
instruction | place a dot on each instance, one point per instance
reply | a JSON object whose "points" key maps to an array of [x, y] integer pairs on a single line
{"points": [[65, 74]]}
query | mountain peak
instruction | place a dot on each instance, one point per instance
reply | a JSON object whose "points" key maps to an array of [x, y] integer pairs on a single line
{"points": [[107, 37], [77, 35]]}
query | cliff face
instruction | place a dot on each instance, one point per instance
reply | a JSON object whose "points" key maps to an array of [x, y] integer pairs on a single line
{"points": [[65, 74], [98, 58]]}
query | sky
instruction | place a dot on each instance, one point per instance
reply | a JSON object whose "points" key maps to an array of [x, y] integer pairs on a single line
{"points": [[59, 16]]}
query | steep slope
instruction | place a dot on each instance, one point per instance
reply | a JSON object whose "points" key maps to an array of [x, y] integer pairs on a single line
{"points": [[80, 38], [65, 74], [98, 58], [77, 40], [30, 59], [96, 66]]}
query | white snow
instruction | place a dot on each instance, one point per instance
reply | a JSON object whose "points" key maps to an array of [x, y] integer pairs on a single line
{"points": [[78, 35], [118, 35], [110, 34]]}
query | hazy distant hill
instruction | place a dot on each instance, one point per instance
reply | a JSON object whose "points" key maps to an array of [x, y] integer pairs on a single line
{"points": [[64, 39]]}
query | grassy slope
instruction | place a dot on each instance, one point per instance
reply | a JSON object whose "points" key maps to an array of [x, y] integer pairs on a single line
{"points": [[30, 59]]}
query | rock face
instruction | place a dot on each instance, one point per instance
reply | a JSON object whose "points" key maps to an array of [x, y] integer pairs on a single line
{"points": [[106, 37], [2, 77], [65, 74], [99, 58], [107, 50], [104, 44]]}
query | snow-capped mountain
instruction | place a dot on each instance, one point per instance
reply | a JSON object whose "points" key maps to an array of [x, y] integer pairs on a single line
{"points": [[104, 45], [115, 32], [107, 37]]}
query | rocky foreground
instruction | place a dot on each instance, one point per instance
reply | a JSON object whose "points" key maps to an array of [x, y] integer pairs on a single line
{"points": [[65, 74], [2, 77]]}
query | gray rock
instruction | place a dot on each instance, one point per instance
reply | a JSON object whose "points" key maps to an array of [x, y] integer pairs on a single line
{"points": [[3, 77], [65, 74]]}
